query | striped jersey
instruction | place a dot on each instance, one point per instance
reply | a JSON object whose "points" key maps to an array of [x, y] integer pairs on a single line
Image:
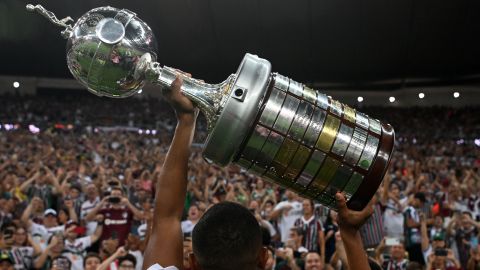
{"points": [[311, 230]]}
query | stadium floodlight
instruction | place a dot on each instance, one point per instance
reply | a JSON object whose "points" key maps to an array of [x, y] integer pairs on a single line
{"points": [[456, 94], [360, 99], [421, 95], [16, 84], [391, 99]]}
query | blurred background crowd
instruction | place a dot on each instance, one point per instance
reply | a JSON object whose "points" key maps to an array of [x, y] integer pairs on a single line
{"points": [[78, 174]]}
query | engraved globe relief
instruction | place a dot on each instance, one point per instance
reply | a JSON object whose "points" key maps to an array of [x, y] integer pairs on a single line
{"points": [[104, 48]]}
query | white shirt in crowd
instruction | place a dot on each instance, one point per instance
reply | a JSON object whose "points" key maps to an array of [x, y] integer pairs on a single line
{"points": [[159, 267], [187, 226], [41, 234], [23, 257], [288, 217], [138, 257], [393, 219], [88, 206], [75, 250]]}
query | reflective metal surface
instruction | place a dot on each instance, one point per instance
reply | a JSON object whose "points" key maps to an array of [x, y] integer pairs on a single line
{"points": [[267, 123], [284, 119], [316, 125], [329, 133], [356, 146], [273, 107], [311, 168], [301, 121], [105, 45], [362, 120], [368, 152], [375, 126]]}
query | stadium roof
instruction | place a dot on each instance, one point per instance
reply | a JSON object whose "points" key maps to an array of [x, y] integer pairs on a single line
{"points": [[332, 43]]}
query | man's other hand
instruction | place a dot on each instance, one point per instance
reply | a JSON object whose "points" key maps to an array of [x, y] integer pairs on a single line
{"points": [[349, 220]]}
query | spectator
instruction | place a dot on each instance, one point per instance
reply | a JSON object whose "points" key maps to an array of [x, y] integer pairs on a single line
{"points": [[118, 215], [313, 235], [42, 232], [413, 237], [24, 249], [331, 227], [91, 261], [54, 250], [194, 215], [92, 200], [465, 231], [313, 261], [393, 259], [286, 213], [119, 260], [75, 245]]}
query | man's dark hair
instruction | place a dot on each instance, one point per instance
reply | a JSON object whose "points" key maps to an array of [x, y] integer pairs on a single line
{"points": [[297, 230], [8, 225], [128, 257], [227, 237], [420, 196]]}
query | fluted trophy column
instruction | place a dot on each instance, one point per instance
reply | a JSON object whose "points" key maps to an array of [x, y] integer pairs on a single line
{"points": [[266, 123]]}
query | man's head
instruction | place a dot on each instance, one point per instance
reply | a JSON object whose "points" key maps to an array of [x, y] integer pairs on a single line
{"points": [[438, 222], [8, 231], [127, 262], [398, 251], [72, 230], [308, 207], [50, 218], [75, 191], [91, 261], [290, 195], [92, 191], [466, 219], [313, 261], [296, 236], [61, 263], [419, 199], [194, 213], [57, 248], [227, 236]]}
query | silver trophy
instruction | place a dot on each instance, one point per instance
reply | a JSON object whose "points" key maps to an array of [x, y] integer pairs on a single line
{"points": [[264, 122]]}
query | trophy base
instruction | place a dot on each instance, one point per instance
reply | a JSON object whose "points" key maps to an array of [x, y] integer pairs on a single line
{"points": [[240, 111]]}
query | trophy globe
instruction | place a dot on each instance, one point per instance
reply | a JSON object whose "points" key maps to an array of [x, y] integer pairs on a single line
{"points": [[104, 47]]}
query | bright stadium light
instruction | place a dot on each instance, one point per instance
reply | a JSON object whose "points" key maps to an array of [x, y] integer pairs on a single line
{"points": [[421, 95], [456, 94], [360, 99], [16, 84], [391, 99]]}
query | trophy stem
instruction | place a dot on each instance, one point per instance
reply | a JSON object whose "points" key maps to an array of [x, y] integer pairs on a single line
{"points": [[209, 98]]}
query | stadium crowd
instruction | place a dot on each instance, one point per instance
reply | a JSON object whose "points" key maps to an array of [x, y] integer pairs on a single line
{"points": [[81, 197]]}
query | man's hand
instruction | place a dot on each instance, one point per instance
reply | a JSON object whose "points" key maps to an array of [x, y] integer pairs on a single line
{"points": [[165, 245], [183, 106], [350, 221]]}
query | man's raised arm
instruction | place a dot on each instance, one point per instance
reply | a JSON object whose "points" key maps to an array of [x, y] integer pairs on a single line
{"points": [[165, 246]]}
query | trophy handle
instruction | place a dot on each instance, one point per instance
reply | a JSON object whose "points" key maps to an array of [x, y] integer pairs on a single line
{"points": [[65, 22], [209, 98]]}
